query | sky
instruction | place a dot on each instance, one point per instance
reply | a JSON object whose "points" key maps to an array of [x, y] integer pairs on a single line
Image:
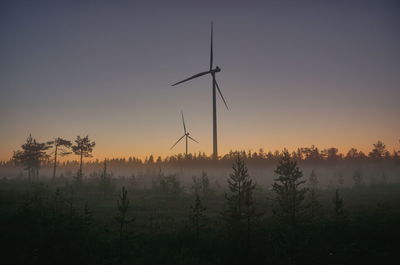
{"points": [[294, 73]]}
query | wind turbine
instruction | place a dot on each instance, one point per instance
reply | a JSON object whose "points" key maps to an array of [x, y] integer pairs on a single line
{"points": [[215, 86], [186, 134]]}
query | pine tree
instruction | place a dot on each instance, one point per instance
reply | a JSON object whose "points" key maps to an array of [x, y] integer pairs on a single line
{"points": [[313, 206], [84, 148], [339, 215], [105, 180], [239, 199], [205, 183], [357, 178], [197, 216], [31, 156], [313, 180], [122, 219], [289, 193], [61, 147], [379, 151]]}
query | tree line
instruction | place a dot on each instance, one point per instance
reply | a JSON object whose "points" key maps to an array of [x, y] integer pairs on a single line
{"points": [[34, 155]]}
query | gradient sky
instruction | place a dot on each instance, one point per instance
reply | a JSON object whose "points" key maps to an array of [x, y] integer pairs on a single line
{"points": [[294, 73]]}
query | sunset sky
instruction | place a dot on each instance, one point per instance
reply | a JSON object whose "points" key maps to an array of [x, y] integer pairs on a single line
{"points": [[294, 73]]}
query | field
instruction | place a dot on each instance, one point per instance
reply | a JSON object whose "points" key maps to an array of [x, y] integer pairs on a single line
{"points": [[70, 221]]}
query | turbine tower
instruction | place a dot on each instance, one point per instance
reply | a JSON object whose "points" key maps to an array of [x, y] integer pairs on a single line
{"points": [[186, 135], [215, 86]]}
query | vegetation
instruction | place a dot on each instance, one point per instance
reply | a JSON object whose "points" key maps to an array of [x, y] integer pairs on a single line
{"points": [[194, 217]]}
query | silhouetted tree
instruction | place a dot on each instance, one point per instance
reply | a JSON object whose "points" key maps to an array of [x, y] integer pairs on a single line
{"points": [[197, 216], [196, 185], [239, 198], [31, 156], [339, 214], [313, 180], [379, 151], [170, 185], [357, 178], [332, 154], [105, 180], [313, 205], [249, 212], [61, 147], [205, 183], [289, 194], [84, 148], [353, 154], [122, 219]]}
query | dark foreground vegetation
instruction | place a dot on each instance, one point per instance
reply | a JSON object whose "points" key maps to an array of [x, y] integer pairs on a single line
{"points": [[290, 210]]}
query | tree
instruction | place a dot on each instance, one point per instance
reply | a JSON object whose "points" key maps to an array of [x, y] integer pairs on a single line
{"points": [[379, 151], [289, 193], [196, 186], [122, 218], [205, 183], [197, 216], [31, 156], [105, 180], [313, 180], [61, 147], [357, 178], [84, 148], [339, 215], [250, 213], [239, 199], [313, 205], [201, 185], [352, 154]]}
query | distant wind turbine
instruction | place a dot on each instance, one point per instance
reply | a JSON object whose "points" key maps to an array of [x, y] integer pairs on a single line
{"points": [[186, 134], [215, 86]]}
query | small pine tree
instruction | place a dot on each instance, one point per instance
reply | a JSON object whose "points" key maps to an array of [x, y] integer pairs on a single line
{"points": [[205, 183], [313, 180], [250, 213], [105, 180], [122, 219], [313, 205], [339, 215], [289, 193], [196, 185], [239, 198], [357, 178], [197, 216]]}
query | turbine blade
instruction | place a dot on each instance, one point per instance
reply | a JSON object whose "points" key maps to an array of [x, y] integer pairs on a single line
{"points": [[194, 76], [192, 139], [183, 121], [211, 48], [219, 90], [177, 142]]}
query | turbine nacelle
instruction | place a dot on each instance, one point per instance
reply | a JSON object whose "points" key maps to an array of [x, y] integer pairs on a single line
{"points": [[186, 135], [216, 70]]}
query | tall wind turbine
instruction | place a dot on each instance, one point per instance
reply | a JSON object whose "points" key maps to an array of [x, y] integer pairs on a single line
{"points": [[186, 134], [215, 86]]}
